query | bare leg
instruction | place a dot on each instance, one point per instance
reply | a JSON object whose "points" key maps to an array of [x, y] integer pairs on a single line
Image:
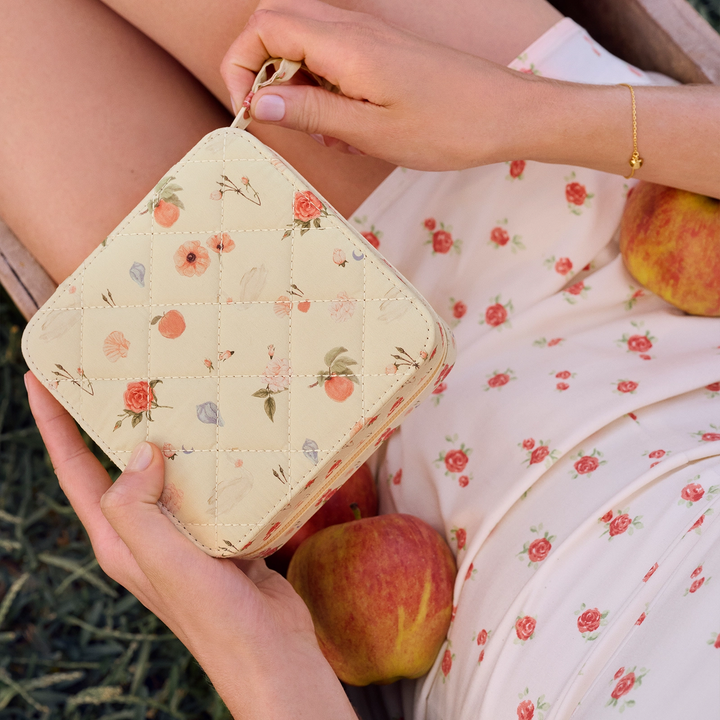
{"points": [[94, 111]]}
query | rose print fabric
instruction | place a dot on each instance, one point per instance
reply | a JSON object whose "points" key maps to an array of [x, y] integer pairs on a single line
{"points": [[571, 458]]}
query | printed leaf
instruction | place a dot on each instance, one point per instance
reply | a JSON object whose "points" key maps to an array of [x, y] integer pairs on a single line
{"points": [[156, 320], [263, 392], [333, 354], [153, 383], [270, 407], [137, 417]]}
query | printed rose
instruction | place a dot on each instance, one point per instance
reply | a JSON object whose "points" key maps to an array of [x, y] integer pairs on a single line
{"points": [[696, 571], [498, 380], [607, 517], [639, 343], [650, 572], [220, 243], [441, 388], [563, 266], [619, 673], [697, 584], [343, 308], [528, 444], [372, 238], [463, 481], [525, 627], [138, 397], [713, 387], [564, 375], [430, 224], [446, 663], [575, 193], [539, 454], [442, 241], [191, 259], [641, 619], [589, 621], [586, 464], [459, 309], [499, 236], [306, 206], [624, 686], [482, 637], [562, 386], [692, 492], [627, 386], [339, 257], [397, 477], [575, 289], [698, 523], [516, 168], [655, 454], [539, 549], [277, 375], [717, 641], [455, 461], [469, 572], [495, 315], [168, 451], [620, 524], [711, 437], [461, 537], [525, 710], [557, 341]]}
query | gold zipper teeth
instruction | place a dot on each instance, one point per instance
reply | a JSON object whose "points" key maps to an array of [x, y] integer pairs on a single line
{"points": [[359, 452]]}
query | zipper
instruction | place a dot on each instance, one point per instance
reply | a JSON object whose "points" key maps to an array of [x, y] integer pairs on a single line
{"points": [[361, 450]]}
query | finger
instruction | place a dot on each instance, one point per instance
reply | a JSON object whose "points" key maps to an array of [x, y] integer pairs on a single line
{"points": [[305, 35], [81, 475], [343, 121], [130, 506]]}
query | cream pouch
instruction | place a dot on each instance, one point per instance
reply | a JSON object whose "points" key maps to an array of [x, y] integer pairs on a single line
{"points": [[238, 322]]}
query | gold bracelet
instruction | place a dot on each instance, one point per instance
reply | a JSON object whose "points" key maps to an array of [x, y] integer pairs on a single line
{"points": [[635, 160]]}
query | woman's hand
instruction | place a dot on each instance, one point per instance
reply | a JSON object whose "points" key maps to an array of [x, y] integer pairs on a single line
{"points": [[244, 623], [404, 99], [425, 106]]}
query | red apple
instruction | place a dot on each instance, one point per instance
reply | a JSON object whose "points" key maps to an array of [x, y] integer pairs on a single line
{"points": [[380, 593], [359, 489], [670, 242]]}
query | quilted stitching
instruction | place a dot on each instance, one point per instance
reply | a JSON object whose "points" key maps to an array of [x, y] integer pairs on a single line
{"points": [[203, 326]]}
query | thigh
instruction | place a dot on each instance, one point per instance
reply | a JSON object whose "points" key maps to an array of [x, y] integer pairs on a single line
{"points": [[93, 113]]}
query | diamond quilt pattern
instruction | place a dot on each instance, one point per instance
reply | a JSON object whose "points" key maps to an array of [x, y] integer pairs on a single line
{"points": [[235, 320]]}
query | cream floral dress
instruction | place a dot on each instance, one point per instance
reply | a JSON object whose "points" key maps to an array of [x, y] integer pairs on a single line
{"points": [[571, 457]]}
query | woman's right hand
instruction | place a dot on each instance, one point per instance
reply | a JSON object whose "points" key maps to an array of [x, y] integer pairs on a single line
{"points": [[404, 99]]}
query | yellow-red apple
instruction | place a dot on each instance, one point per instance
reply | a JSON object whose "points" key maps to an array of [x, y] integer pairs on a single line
{"points": [[380, 594], [670, 242], [359, 488]]}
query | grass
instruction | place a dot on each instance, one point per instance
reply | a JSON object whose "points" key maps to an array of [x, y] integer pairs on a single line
{"points": [[74, 644]]}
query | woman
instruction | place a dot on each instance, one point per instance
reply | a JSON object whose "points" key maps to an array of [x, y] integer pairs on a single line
{"points": [[581, 382]]}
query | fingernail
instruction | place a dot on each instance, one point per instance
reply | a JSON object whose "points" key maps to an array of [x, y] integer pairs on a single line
{"points": [[354, 150], [318, 138], [234, 106], [25, 376], [270, 108], [141, 457]]}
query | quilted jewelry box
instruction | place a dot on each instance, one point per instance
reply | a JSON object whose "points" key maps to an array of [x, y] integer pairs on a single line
{"points": [[238, 322]]}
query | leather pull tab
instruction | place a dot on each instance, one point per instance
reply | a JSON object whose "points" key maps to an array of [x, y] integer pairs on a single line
{"points": [[284, 70]]}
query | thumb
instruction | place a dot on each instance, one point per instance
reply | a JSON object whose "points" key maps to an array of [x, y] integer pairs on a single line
{"points": [[130, 506], [315, 111]]}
